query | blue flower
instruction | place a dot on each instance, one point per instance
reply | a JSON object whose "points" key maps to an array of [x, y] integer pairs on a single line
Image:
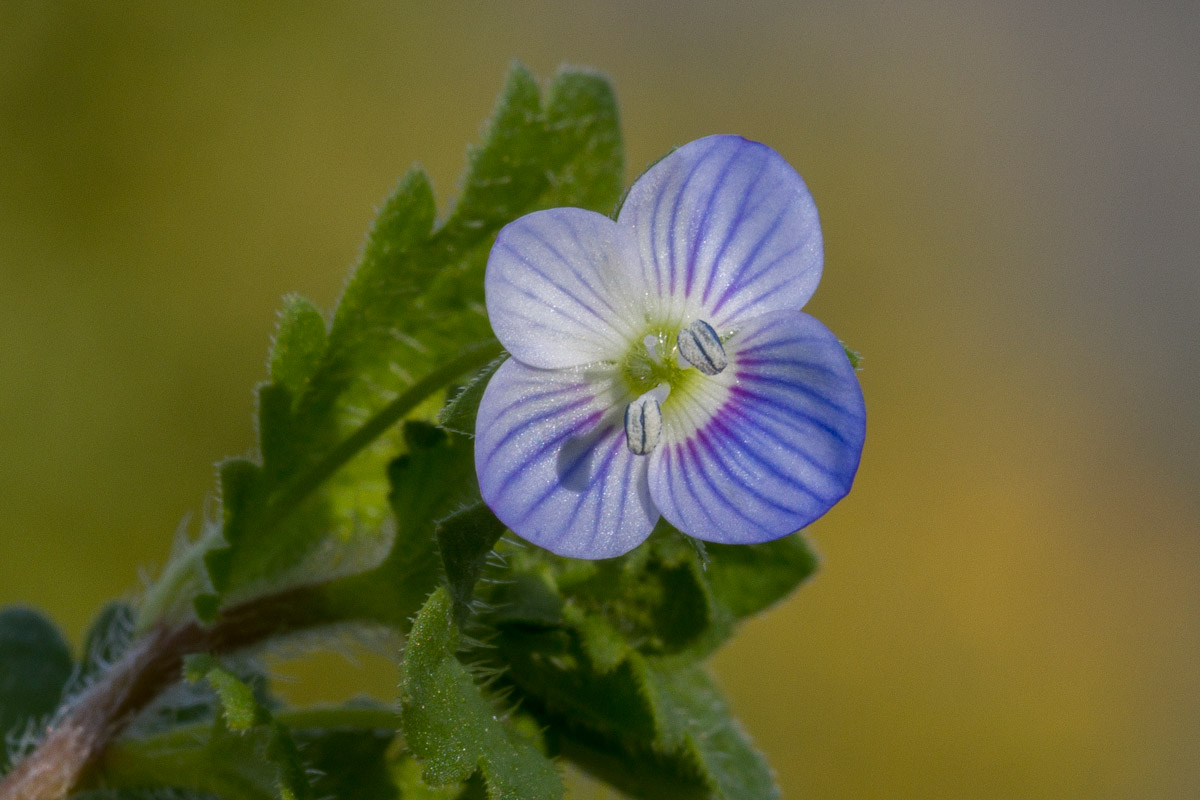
{"points": [[661, 364]]}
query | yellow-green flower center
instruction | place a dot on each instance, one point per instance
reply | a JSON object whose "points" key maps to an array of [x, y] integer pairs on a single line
{"points": [[653, 361]]}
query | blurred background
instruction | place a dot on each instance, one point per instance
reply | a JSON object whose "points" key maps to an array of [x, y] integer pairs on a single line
{"points": [[1010, 195]]}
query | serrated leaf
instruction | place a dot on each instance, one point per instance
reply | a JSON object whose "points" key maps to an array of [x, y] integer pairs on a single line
{"points": [[654, 729], [747, 579], [35, 664], [434, 477], [459, 414], [665, 598], [695, 723], [299, 344], [654, 598], [452, 728], [465, 539], [413, 305]]}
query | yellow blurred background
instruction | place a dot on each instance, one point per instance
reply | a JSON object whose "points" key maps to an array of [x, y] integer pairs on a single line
{"points": [[1010, 194]]}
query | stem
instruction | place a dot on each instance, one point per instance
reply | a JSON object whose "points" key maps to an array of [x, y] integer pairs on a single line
{"points": [[151, 665]]}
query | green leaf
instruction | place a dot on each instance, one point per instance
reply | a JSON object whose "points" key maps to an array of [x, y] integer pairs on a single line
{"points": [[299, 344], [654, 598], [747, 579], [450, 725], [854, 357], [434, 477], [318, 506], [655, 729], [348, 763], [604, 654], [238, 704], [249, 751], [665, 598], [344, 751], [465, 540], [459, 414], [694, 722], [35, 664]]}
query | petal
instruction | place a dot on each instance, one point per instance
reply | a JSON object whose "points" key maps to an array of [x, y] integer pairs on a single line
{"points": [[558, 288], [552, 462], [726, 230], [767, 446]]}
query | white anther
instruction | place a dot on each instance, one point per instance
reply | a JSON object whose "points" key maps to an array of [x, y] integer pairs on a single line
{"points": [[701, 347], [643, 423]]}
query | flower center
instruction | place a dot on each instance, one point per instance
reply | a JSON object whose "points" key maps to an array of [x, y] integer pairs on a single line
{"points": [[664, 362]]}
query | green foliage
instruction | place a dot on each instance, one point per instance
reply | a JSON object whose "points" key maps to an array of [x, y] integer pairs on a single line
{"points": [[249, 751], [314, 507], [453, 728], [606, 655], [360, 511], [459, 414], [854, 356], [34, 667], [434, 477], [349, 763], [465, 540]]}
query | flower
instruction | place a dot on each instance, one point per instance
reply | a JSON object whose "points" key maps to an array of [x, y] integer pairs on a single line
{"points": [[661, 364]]}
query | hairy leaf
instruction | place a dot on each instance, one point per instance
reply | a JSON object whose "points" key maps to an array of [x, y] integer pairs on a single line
{"points": [[665, 598], [299, 344], [35, 664], [654, 729], [317, 507], [465, 540], [453, 728], [434, 477], [460, 413]]}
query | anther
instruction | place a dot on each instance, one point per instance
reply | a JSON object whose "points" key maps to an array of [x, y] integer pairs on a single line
{"points": [[643, 424], [701, 347]]}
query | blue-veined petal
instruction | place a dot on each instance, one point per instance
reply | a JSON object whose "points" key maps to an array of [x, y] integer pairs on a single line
{"points": [[726, 230], [560, 288], [553, 465], [767, 446]]}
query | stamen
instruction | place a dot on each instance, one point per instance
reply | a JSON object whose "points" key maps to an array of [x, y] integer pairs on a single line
{"points": [[643, 424], [701, 347]]}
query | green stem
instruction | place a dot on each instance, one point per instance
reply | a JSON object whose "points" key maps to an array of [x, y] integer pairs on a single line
{"points": [[474, 357]]}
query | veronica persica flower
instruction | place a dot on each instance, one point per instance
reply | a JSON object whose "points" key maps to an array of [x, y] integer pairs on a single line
{"points": [[661, 364]]}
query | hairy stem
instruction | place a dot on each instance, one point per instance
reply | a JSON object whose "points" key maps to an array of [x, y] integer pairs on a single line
{"points": [[153, 663]]}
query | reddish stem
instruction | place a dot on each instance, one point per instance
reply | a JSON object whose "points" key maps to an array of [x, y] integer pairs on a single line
{"points": [[79, 738]]}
